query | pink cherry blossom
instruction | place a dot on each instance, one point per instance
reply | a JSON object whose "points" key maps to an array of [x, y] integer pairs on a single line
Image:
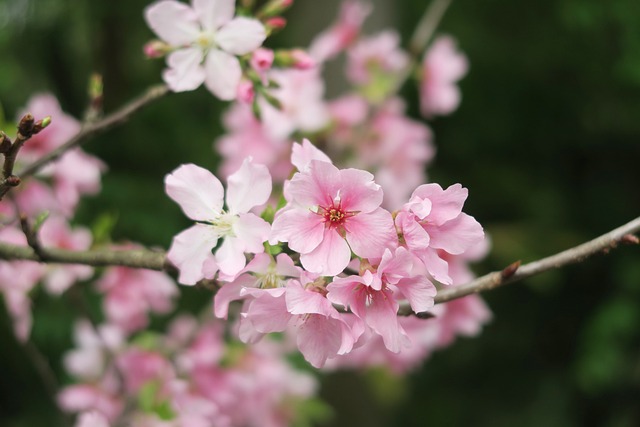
{"points": [[207, 39], [55, 232], [342, 33], [88, 361], [200, 195], [131, 294], [320, 331], [433, 220], [331, 213], [376, 55], [442, 67], [91, 419], [373, 296], [303, 154]]}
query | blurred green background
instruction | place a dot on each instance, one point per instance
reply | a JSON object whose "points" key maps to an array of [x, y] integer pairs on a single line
{"points": [[546, 140]]}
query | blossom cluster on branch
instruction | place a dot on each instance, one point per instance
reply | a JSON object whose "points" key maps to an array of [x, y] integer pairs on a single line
{"points": [[312, 248]]}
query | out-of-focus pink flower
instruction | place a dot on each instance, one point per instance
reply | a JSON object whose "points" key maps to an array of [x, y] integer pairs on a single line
{"points": [[207, 38], [138, 367], [375, 56], [433, 220], [330, 213], [248, 136], [200, 195], [342, 33], [88, 360], [91, 419], [131, 294], [443, 65], [17, 278], [246, 92], [91, 397], [301, 96], [55, 232]]}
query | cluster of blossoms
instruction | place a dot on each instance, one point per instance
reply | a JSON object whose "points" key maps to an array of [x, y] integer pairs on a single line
{"points": [[323, 247], [349, 252]]}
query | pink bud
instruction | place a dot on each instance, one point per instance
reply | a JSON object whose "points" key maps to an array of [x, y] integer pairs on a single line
{"points": [[261, 60], [276, 23], [302, 60], [246, 93], [155, 49]]}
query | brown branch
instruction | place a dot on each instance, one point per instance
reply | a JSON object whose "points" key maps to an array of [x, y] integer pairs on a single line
{"points": [[27, 127], [156, 260], [516, 272], [427, 26], [92, 128]]}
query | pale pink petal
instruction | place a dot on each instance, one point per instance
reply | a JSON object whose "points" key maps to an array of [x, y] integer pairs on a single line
{"points": [[92, 419], [300, 301], [382, 318], [369, 234], [252, 231], [436, 266], [248, 187], [415, 237], [241, 35], [343, 290], [456, 236], [174, 22], [419, 291], [185, 70], [302, 154], [189, 251], [268, 312], [318, 186], [286, 267], [446, 204], [223, 74], [319, 338], [330, 258], [198, 192], [230, 256], [214, 13], [304, 230], [230, 292], [358, 192]]}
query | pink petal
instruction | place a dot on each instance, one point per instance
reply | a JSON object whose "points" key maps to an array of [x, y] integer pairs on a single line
{"points": [[223, 74], [304, 230], [189, 251], [248, 187], [456, 236], [174, 22], [369, 234], [318, 186], [382, 318], [214, 13], [343, 291], [419, 291], [230, 292], [302, 154], [198, 192], [185, 71], [415, 237], [319, 339], [446, 204], [330, 258], [230, 256], [241, 36], [436, 266], [358, 192], [268, 312], [301, 301], [252, 231]]}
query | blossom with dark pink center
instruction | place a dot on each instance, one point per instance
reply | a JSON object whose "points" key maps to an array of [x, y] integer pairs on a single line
{"points": [[332, 212]]}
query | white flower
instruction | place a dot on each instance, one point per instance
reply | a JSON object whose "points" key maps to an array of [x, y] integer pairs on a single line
{"points": [[207, 37]]}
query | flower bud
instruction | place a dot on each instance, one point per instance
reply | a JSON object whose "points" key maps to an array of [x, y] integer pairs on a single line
{"points": [[156, 49], [261, 60], [246, 93], [276, 23]]}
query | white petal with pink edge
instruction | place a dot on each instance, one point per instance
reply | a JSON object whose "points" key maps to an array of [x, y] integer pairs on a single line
{"points": [[222, 74], [241, 36], [198, 192]]}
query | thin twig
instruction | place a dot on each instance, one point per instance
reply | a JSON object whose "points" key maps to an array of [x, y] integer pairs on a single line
{"points": [[516, 272], [427, 26], [156, 260], [92, 128]]}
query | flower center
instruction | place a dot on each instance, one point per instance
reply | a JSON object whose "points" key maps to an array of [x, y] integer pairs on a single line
{"points": [[334, 215], [224, 224]]}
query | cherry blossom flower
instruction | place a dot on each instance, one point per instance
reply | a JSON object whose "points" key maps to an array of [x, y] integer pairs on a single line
{"points": [[373, 296], [207, 39], [433, 220], [442, 67], [91, 419], [330, 213], [200, 195]]}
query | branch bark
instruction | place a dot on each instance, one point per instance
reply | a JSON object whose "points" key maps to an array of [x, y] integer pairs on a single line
{"points": [[92, 128], [156, 260]]}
